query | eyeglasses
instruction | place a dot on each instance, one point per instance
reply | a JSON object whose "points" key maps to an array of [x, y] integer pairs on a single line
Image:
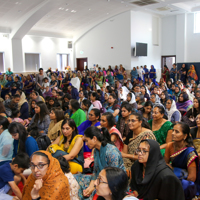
{"points": [[100, 181], [155, 113], [198, 118], [132, 120], [143, 152], [39, 166]]}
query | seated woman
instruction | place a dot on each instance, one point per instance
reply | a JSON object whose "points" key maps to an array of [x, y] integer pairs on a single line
{"points": [[94, 120], [184, 104], [195, 133], [105, 155], [113, 106], [28, 84], [191, 114], [176, 93], [131, 100], [7, 87], [105, 104], [23, 105], [139, 130], [6, 141], [69, 145], [122, 124], [41, 117], [47, 180], [164, 97], [146, 111], [108, 121], [183, 156], [95, 100], [151, 177], [143, 90], [155, 99], [116, 184], [140, 101], [173, 113], [53, 103], [56, 117], [161, 128], [23, 142], [74, 186], [86, 106], [76, 114]]}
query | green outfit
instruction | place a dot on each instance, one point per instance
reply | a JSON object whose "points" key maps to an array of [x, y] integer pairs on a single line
{"points": [[100, 83], [161, 134], [79, 117], [3, 82], [110, 79], [9, 73]]}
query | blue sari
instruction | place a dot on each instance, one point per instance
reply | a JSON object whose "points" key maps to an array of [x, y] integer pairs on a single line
{"points": [[134, 74], [81, 129], [181, 160], [152, 75]]}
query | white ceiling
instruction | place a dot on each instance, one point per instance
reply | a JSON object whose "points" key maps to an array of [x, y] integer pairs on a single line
{"points": [[69, 17]]}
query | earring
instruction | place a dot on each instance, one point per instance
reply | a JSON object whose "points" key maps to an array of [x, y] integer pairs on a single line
{"points": [[110, 193]]}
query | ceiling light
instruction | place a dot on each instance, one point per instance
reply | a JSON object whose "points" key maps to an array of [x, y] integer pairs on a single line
{"points": [[89, 9], [66, 9], [61, 8], [16, 2], [73, 11], [107, 13]]}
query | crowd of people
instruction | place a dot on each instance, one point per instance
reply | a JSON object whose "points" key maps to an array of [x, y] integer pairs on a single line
{"points": [[98, 134]]}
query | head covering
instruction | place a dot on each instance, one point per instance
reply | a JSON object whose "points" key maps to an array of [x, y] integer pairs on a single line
{"points": [[192, 73], [154, 165], [172, 110], [190, 95], [125, 91], [55, 183], [132, 99], [22, 100]]}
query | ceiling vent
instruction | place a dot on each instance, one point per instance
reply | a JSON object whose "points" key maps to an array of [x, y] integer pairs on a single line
{"points": [[163, 8], [144, 2]]}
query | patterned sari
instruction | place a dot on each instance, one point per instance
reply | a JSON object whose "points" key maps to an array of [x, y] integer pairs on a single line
{"points": [[181, 160], [133, 145]]}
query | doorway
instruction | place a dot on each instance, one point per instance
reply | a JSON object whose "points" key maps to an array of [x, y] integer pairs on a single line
{"points": [[81, 63], [62, 61], [167, 60]]}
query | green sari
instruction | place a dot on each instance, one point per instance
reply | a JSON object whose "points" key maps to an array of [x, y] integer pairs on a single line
{"points": [[79, 117], [161, 134]]}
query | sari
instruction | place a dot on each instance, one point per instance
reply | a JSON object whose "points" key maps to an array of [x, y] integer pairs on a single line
{"points": [[184, 106], [192, 73], [161, 134], [134, 75], [166, 75], [76, 165], [181, 160], [152, 75], [133, 145], [108, 156], [54, 130], [119, 143], [55, 183], [81, 130], [78, 117]]}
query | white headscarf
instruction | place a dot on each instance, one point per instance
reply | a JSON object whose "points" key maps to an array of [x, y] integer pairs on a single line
{"points": [[132, 99], [125, 91], [172, 110], [190, 95]]}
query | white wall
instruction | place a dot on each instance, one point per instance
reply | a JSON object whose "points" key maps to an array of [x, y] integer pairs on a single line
{"points": [[143, 30], [178, 38], [96, 44], [48, 48]]}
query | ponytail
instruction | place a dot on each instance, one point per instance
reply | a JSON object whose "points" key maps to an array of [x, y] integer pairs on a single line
{"points": [[102, 134]]}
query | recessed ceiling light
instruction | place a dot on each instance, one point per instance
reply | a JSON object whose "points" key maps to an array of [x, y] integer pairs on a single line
{"points": [[89, 9], [61, 8], [16, 2], [107, 13], [66, 9], [73, 11]]}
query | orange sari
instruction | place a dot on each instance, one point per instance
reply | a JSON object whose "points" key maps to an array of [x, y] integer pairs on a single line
{"points": [[55, 183]]}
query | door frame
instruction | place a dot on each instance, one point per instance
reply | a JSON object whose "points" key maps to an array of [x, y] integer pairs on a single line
{"points": [[166, 57], [80, 59]]}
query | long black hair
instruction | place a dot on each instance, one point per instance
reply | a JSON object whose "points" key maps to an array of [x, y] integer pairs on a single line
{"points": [[43, 112], [4, 122], [114, 97], [196, 111], [72, 124], [97, 113], [16, 127], [64, 164], [186, 131], [139, 117], [117, 181], [102, 135], [148, 103], [110, 119], [87, 103]]}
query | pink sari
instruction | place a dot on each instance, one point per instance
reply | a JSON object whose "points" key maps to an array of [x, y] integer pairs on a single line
{"points": [[119, 143]]}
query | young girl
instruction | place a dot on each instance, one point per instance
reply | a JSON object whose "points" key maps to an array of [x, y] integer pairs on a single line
{"points": [[45, 84]]}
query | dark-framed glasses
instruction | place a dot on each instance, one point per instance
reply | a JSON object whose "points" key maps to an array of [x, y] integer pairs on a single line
{"points": [[100, 181], [39, 166], [142, 151]]}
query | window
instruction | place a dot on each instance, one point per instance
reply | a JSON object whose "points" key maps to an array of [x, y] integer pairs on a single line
{"points": [[197, 22], [62, 61], [32, 62]]}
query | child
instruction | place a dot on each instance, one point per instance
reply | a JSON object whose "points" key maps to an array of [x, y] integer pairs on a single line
{"points": [[45, 84], [15, 116], [74, 186], [11, 175]]}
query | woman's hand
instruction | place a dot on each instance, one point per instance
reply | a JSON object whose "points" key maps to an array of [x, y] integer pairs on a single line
{"points": [[88, 191], [36, 187]]}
